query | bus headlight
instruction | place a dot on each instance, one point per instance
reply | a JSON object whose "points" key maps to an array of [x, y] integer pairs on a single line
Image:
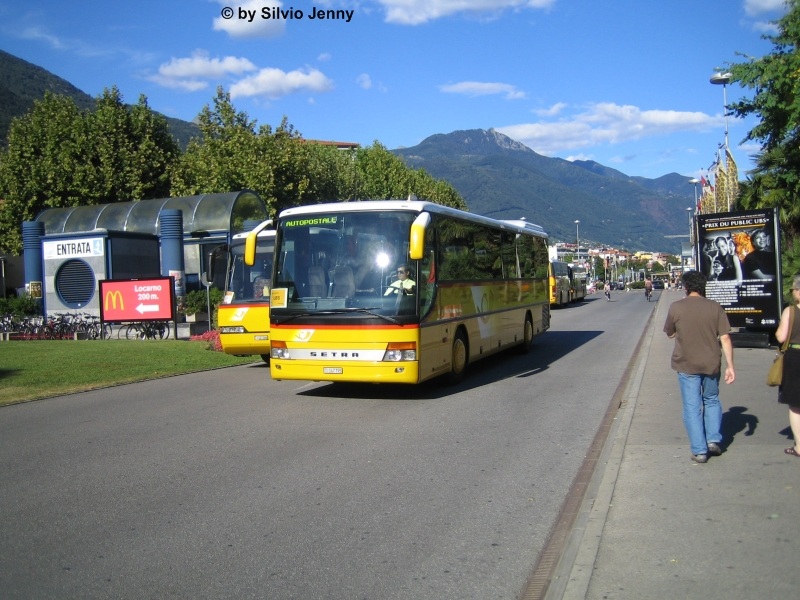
{"points": [[400, 351], [279, 350]]}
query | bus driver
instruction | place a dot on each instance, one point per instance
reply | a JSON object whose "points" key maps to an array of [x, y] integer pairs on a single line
{"points": [[403, 284]]}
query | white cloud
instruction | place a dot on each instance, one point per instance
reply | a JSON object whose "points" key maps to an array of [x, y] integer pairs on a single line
{"points": [[765, 27], [757, 7], [197, 71], [607, 123], [552, 111], [364, 81], [416, 12], [772, 9], [275, 83], [478, 88], [580, 156], [192, 74], [200, 65], [187, 85], [74, 45], [247, 21], [39, 35]]}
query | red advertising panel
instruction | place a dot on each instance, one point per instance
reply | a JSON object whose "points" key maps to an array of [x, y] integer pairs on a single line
{"points": [[136, 299]]}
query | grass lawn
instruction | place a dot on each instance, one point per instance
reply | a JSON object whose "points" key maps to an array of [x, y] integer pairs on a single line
{"points": [[30, 370]]}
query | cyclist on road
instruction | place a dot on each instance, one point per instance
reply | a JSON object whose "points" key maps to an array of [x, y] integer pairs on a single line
{"points": [[648, 288]]}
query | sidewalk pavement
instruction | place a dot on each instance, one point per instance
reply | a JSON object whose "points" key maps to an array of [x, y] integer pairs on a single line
{"points": [[655, 525]]}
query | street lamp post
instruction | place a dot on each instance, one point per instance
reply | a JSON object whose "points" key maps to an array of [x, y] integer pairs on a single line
{"points": [[723, 79], [691, 235], [694, 182], [577, 242]]}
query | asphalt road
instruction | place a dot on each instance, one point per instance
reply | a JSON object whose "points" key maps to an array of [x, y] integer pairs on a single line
{"points": [[226, 484]]}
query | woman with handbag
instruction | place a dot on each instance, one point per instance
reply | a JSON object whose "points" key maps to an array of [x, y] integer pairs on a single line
{"points": [[789, 390]]}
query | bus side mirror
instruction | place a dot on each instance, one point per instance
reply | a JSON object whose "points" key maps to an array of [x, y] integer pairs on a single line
{"points": [[416, 245], [250, 248], [212, 261], [251, 241]]}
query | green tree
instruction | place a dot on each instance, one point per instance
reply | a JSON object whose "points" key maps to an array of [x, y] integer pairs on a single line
{"points": [[229, 155], [382, 175], [286, 170], [233, 153], [42, 166], [132, 151], [775, 79], [59, 156]]}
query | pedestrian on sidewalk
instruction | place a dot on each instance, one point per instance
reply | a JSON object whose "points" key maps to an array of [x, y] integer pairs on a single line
{"points": [[789, 390], [700, 326]]}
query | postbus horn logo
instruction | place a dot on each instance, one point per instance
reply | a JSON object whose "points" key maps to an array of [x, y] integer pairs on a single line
{"points": [[111, 298]]}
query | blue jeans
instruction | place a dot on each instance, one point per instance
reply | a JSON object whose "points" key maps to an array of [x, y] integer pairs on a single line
{"points": [[702, 411]]}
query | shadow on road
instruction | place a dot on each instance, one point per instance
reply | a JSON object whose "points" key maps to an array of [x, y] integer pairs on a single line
{"points": [[546, 350]]}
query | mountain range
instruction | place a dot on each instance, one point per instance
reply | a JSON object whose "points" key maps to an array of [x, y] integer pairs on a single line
{"points": [[495, 175], [21, 83], [504, 179]]}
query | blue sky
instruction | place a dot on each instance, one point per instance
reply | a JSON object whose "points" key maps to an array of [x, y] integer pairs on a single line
{"points": [[621, 82]]}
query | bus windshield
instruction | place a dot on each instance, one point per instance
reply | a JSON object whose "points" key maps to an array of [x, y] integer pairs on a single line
{"points": [[346, 262], [245, 283]]}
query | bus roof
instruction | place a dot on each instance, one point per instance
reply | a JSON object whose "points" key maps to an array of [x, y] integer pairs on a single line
{"points": [[417, 206]]}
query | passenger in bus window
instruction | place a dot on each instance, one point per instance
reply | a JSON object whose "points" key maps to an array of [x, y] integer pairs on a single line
{"points": [[403, 284]]}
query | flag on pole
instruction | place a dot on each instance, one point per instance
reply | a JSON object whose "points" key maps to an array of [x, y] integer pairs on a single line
{"points": [[732, 179], [721, 189]]}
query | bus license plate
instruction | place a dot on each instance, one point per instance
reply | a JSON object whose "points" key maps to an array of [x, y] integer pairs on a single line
{"points": [[332, 370]]}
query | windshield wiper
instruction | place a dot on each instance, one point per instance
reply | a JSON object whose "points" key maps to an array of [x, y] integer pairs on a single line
{"points": [[371, 311]]}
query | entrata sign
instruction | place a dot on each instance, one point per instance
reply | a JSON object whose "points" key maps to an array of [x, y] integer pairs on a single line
{"points": [[136, 299]]}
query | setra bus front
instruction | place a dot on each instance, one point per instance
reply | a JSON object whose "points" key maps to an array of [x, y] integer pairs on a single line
{"points": [[344, 306]]}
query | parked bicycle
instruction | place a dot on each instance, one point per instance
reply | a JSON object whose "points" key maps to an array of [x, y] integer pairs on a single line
{"points": [[58, 326], [144, 330]]}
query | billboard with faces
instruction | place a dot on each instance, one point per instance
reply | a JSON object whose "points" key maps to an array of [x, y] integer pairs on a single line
{"points": [[739, 253]]}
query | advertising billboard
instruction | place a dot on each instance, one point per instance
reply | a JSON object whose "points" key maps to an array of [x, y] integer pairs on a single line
{"points": [[137, 299], [739, 253]]}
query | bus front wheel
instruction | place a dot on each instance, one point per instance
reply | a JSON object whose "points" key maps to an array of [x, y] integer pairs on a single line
{"points": [[459, 359]]}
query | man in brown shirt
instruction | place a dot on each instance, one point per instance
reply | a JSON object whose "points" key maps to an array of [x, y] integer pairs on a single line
{"points": [[700, 326]]}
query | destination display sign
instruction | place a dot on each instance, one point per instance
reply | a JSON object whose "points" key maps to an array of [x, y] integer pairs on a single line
{"points": [[137, 299]]}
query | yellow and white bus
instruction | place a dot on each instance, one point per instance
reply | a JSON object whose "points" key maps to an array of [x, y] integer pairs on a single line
{"points": [[243, 314], [567, 283], [341, 310], [579, 282], [560, 283]]}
